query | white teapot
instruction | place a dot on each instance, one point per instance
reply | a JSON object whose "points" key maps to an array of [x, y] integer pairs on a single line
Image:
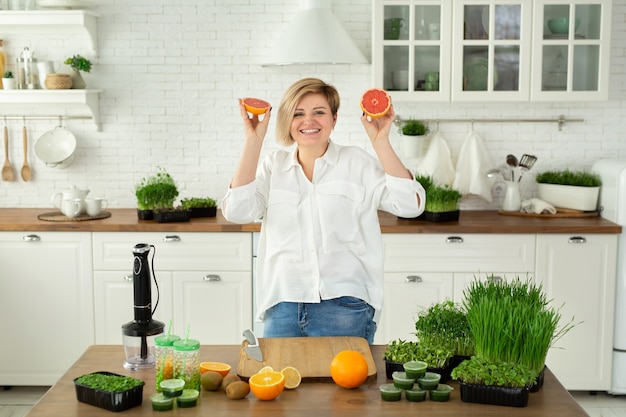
{"points": [[74, 193]]}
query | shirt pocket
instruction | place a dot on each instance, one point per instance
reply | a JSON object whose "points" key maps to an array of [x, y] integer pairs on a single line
{"points": [[282, 228], [341, 206]]}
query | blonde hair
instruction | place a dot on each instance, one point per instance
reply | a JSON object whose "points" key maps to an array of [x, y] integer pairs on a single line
{"points": [[290, 101]]}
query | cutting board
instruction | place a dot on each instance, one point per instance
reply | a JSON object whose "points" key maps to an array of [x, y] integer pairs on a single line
{"points": [[309, 355], [560, 213]]}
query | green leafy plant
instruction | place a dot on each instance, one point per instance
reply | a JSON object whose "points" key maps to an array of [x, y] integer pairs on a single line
{"points": [[109, 383], [567, 177], [401, 351], [195, 202], [439, 199], [445, 325], [512, 321], [414, 128], [158, 191], [482, 371], [7, 74], [79, 63]]}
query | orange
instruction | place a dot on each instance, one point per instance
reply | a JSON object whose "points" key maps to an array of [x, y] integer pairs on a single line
{"points": [[375, 102], [349, 369], [256, 105], [220, 367], [292, 377], [267, 385]]}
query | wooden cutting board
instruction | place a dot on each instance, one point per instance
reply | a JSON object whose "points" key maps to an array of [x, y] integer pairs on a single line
{"points": [[309, 355]]}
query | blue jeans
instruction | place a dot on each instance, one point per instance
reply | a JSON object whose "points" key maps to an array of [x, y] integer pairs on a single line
{"points": [[343, 316]]}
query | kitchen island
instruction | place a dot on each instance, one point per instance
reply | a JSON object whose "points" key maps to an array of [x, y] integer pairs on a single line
{"points": [[310, 398]]}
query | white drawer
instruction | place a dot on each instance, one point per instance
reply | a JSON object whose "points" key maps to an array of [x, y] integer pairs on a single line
{"points": [[175, 251], [459, 253]]}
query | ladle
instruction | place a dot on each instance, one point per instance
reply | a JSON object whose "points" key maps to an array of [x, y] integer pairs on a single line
{"points": [[7, 168], [512, 161], [25, 168]]}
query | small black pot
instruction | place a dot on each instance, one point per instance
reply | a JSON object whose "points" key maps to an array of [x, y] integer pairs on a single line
{"points": [[203, 212], [391, 367], [145, 214], [445, 216], [172, 216]]}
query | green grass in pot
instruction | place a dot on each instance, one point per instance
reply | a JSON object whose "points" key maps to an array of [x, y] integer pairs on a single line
{"points": [[158, 191], [481, 371], [439, 199], [567, 177], [414, 128], [196, 202], [445, 324]]}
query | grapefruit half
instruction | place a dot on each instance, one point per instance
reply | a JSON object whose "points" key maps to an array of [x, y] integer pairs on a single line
{"points": [[375, 102], [256, 105]]}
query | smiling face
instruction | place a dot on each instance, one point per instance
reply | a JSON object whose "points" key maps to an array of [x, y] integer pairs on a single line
{"points": [[313, 121]]}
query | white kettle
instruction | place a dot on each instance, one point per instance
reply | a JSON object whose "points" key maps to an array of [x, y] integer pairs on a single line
{"points": [[74, 193]]}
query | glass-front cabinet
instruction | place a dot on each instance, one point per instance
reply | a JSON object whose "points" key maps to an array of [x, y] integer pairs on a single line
{"points": [[412, 48], [571, 50], [492, 50]]}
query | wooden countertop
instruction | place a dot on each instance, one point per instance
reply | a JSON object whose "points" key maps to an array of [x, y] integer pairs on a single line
{"points": [[319, 398], [125, 220]]}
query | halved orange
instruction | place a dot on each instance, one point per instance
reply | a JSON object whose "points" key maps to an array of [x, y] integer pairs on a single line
{"points": [[220, 367], [256, 105], [267, 385], [375, 102], [292, 377]]}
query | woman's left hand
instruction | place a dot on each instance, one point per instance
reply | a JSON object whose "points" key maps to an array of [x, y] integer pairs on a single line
{"points": [[379, 127]]}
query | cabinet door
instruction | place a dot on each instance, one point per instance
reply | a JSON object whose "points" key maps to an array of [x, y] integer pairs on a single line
{"points": [[571, 50], [491, 44], [216, 305], [113, 291], [578, 274], [411, 40], [46, 304], [406, 294]]}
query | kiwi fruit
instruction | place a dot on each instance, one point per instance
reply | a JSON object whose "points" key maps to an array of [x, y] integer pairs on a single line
{"points": [[228, 379], [211, 381], [237, 390]]}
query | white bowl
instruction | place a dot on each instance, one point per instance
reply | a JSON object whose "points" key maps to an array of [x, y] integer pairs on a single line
{"points": [[570, 197], [56, 147]]}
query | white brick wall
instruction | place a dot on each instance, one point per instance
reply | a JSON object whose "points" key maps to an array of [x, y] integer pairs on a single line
{"points": [[171, 73]]}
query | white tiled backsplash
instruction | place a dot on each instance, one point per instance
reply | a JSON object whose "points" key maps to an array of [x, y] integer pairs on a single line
{"points": [[171, 73]]}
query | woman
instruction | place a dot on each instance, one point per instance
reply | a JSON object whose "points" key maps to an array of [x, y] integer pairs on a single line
{"points": [[320, 256]]}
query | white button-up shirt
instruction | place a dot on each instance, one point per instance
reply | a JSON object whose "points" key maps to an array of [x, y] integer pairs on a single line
{"points": [[321, 239]]}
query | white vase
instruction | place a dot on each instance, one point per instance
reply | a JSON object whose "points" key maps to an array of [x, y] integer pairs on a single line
{"points": [[8, 83], [78, 82], [413, 146], [512, 198]]}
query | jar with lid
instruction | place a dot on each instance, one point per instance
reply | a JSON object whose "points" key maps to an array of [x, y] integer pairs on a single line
{"points": [[27, 75], [187, 362], [164, 352]]}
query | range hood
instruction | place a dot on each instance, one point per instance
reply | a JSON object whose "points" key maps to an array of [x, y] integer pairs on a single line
{"points": [[315, 36]]}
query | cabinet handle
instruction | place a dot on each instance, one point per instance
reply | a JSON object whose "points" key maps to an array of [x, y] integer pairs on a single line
{"points": [[494, 278], [31, 238], [128, 278], [212, 278], [454, 239], [171, 238], [577, 239], [413, 278]]}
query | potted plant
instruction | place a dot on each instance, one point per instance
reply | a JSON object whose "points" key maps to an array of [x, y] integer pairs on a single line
{"points": [[78, 63], [8, 82], [413, 132], [156, 192], [397, 353], [200, 207], [578, 190], [442, 201], [493, 382]]}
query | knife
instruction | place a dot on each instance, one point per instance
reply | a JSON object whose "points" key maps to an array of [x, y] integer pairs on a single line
{"points": [[252, 348]]}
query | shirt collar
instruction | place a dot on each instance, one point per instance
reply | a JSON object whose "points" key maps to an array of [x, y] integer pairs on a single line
{"points": [[331, 156]]}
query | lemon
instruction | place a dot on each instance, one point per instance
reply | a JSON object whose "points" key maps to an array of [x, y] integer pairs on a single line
{"points": [[266, 369], [292, 377]]}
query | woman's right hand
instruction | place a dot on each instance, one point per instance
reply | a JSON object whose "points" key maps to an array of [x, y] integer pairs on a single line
{"points": [[254, 128]]}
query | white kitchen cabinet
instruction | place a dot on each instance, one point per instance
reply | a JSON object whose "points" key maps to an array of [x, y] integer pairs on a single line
{"points": [[578, 274], [205, 281], [46, 304], [573, 64], [423, 269]]}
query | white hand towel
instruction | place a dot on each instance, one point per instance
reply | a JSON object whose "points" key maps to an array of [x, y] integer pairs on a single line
{"points": [[437, 162], [537, 206], [470, 168]]}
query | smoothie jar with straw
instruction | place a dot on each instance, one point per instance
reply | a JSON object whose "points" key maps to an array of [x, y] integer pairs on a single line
{"points": [[187, 362], [164, 353]]}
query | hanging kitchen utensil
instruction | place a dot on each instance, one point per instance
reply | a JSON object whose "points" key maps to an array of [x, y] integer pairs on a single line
{"points": [[56, 147], [7, 168], [26, 173]]}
